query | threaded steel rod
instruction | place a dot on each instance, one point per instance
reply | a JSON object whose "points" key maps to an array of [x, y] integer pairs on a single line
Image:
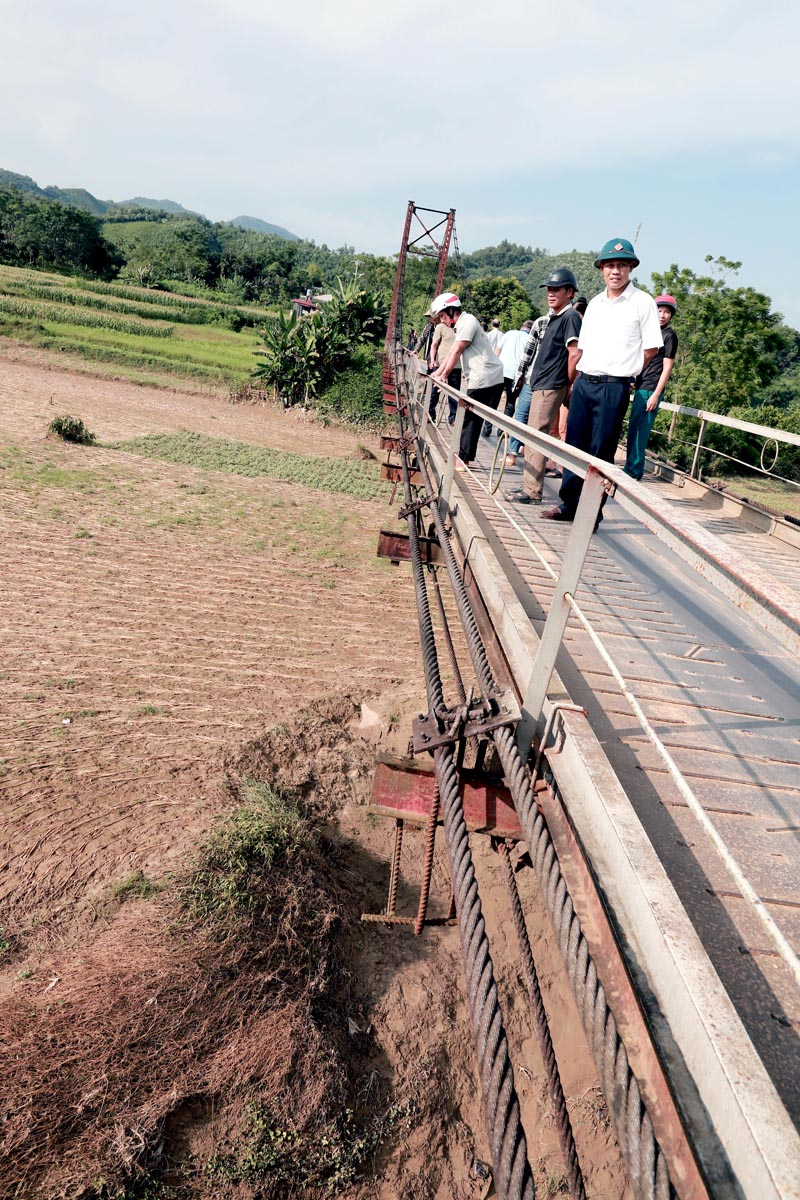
{"points": [[427, 871], [394, 876]]}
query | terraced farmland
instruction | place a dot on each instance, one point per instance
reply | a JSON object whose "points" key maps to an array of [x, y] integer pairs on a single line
{"points": [[143, 335]]}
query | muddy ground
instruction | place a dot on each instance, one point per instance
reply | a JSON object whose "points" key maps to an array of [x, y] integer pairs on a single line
{"points": [[155, 621]]}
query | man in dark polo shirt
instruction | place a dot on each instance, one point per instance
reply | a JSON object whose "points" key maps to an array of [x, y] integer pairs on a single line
{"points": [[649, 388], [553, 373]]}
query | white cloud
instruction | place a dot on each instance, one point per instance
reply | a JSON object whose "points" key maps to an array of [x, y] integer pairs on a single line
{"points": [[326, 117], [351, 93]]}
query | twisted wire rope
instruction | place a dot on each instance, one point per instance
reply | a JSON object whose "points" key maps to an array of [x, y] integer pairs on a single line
{"points": [[513, 1177], [643, 1155], [542, 1028]]}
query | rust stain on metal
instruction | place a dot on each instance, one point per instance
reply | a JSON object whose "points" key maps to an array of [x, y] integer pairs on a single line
{"points": [[394, 546], [395, 474], [404, 789]]}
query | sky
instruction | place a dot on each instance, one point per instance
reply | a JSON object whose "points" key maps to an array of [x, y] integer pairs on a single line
{"points": [[558, 126]]}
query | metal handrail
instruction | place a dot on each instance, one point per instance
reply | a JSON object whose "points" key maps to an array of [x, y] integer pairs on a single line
{"points": [[765, 431], [705, 418], [772, 605]]}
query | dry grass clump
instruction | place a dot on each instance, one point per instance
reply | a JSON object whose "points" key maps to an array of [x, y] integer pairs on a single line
{"points": [[199, 1047]]}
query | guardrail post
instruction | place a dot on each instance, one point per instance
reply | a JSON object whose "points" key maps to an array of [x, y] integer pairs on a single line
{"points": [[455, 445], [673, 422], [553, 632], [697, 449]]}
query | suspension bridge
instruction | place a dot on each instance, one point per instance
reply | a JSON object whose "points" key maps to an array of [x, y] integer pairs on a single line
{"points": [[628, 710]]}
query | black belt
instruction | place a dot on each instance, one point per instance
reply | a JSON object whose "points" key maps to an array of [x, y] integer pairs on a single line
{"points": [[603, 378]]}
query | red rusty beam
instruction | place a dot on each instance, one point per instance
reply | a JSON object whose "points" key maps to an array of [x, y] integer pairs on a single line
{"points": [[403, 788], [392, 332], [395, 546], [395, 475], [444, 250]]}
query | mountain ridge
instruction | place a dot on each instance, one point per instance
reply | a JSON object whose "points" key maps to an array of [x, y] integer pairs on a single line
{"points": [[82, 199]]}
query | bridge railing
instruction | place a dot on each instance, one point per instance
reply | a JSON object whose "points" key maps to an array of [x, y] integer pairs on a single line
{"points": [[769, 436], [770, 604]]}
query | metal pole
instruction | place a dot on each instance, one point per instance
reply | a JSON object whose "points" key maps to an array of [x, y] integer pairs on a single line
{"points": [[392, 333], [672, 424], [444, 250], [550, 642], [455, 446], [698, 447]]}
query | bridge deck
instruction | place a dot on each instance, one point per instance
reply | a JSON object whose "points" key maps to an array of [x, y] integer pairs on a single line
{"points": [[725, 700]]}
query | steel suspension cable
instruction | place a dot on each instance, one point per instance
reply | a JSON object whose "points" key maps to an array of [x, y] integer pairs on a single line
{"points": [[513, 1176], [632, 1124], [564, 1126]]}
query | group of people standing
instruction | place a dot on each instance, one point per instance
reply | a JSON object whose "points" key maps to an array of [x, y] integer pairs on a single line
{"points": [[571, 373]]}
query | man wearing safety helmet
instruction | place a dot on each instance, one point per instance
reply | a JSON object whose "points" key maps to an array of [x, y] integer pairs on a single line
{"points": [[556, 356], [649, 388], [479, 362], [619, 336]]}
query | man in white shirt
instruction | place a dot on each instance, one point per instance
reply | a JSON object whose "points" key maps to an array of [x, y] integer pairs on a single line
{"points": [[479, 363], [619, 335], [509, 351], [495, 335]]}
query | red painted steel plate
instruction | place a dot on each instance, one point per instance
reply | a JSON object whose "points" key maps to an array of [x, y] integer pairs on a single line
{"points": [[403, 788]]}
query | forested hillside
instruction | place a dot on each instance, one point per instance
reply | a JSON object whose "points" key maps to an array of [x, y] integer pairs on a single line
{"points": [[80, 198], [736, 354]]}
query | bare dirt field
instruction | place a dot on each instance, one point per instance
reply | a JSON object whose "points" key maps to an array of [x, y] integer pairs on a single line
{"points": [[165, 631]]}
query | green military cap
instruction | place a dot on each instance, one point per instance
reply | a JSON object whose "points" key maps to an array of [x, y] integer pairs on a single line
{"points": [[617, 248]]}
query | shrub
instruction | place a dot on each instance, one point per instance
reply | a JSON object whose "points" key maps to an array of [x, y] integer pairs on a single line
{"points": [[356, 395], [71, 429]]}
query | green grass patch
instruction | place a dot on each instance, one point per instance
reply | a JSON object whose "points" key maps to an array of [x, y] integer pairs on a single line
{"points": [[232, 877], [74, 315], [346, 477], [135, 886], [772, 493], [18, 470], [319, 1160], [125, 297]]}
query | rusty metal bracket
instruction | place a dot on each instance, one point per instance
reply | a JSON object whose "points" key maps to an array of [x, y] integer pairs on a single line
{"points": [[394, 474], [397, 443], [464, 720], [395, 547], [415, 506], [405, 788]]}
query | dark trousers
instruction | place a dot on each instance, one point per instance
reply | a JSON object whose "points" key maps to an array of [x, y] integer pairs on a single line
{"points": [[454, 380], [510, 405], [470, 434], [596, 413]]}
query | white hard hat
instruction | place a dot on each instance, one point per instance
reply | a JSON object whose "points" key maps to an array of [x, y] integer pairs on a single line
{"points": [[446, 300]]}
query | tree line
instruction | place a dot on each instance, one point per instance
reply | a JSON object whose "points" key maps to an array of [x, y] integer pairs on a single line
{"points": [[736, 354]]}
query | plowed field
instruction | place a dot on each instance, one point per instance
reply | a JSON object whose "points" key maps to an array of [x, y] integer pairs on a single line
{"points": [[155, 620]]}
